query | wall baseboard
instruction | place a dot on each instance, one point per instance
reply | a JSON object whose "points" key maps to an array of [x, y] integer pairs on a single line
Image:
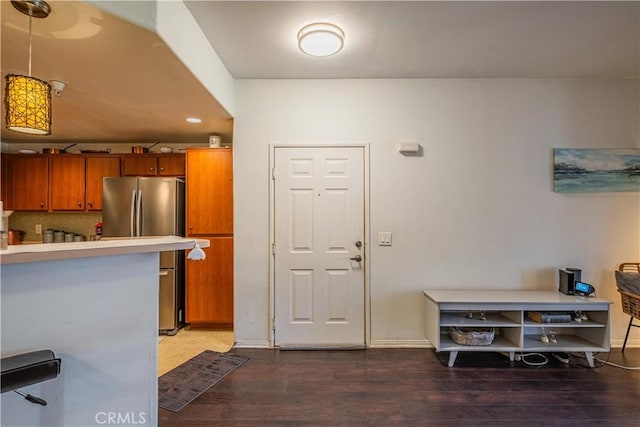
{"points": [[630, 343], [400, 344], [252, 344], [403, 344]]}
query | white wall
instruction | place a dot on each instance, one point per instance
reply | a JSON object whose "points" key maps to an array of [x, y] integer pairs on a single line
{"points": [[179, 29], [96, 314], [476, 211]]}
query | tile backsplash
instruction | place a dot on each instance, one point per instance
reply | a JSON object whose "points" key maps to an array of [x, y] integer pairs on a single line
{"points": [[78, 223]]}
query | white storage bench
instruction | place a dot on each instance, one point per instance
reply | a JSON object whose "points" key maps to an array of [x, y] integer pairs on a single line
{"points": [[507, 312]]}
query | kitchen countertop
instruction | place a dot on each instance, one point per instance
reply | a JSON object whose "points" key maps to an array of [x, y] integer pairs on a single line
{"points": [[17, 254]]}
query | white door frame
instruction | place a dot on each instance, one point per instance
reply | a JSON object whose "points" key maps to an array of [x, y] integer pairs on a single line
{"points": [[367, 264]]}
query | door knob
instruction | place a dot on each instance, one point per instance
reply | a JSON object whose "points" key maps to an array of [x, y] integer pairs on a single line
{"points": [[357, 258]]}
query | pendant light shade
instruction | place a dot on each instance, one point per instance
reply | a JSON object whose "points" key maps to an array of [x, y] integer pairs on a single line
{"points": [[27, 100], [28, 105]]}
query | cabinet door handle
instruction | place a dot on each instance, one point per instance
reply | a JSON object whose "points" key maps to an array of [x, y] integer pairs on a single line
{"points": [[161, 169], [79, 204], [41, 205], [151, 169], [90, 204]]}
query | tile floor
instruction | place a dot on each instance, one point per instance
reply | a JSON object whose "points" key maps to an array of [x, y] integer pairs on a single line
{"points": [[187, 343]]}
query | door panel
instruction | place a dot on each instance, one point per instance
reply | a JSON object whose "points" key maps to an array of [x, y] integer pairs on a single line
{"points": [[117, 204], [99, 167], [159, 207], [319, 217], [68, 183], [301, 284], [29, 178], [337, 295], [209, 178], [139, 165], [209, 290]]}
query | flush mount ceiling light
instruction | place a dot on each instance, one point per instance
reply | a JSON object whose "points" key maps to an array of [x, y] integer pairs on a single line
{"points": [[194, 120], [320, 39], [27, 100]]}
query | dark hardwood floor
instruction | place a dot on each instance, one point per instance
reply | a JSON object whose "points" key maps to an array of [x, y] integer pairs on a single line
{"points": [[411, 387]]}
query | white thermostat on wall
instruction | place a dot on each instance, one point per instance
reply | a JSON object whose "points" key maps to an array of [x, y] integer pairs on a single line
{"points": [[409, 147]]}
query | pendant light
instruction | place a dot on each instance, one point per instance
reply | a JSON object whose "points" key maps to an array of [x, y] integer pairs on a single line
{"points": [[27, 99]]}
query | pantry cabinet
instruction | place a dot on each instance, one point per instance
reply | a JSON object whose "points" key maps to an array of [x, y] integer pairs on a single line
{"points": [[67, 178], [29, 181], [99, 167], [209, 215]]}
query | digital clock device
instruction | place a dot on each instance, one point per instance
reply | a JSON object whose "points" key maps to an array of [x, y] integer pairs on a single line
{"points": [[584, 289]]}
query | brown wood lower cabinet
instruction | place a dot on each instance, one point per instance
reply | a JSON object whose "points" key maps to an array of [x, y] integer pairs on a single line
{"points": [[209, 284]]}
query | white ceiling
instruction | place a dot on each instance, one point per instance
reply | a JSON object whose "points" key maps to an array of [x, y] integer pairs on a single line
{"points": [[423, 39], [125, 85]]}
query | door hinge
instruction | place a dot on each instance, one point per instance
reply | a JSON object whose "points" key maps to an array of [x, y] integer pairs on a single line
{"points": [[273, 174], [273, 249], [273, 325]]}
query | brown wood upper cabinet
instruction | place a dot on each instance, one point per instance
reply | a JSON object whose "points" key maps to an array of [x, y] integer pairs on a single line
{"points": [[28, 181], [67, 178], [209, 177], [153, 165], [99, 167]]}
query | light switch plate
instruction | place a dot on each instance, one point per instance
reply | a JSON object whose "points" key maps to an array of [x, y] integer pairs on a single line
{"points": [[384, 238]]}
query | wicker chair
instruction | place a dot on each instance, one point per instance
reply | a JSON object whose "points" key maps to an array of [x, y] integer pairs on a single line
{"points": [[630, 300]]}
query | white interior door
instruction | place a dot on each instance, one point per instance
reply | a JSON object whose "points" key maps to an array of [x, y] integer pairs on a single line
{"points": [[319, 288]]}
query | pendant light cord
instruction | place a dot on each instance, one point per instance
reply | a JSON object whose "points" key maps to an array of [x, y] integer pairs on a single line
{"points": [[29, 42]]}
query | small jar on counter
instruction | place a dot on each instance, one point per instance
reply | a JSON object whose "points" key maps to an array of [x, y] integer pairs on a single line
{"points": [[47, 236]]}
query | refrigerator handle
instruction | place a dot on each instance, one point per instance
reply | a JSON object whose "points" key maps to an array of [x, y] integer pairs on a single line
{"points": [[139, 214], [164, 273], [132, 211]]}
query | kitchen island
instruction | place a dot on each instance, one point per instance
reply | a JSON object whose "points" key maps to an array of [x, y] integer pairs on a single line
{"points": [[95, 305]]}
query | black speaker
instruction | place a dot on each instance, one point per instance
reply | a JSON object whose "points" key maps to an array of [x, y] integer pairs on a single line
{"points": [[568, 279], [29, 368]]}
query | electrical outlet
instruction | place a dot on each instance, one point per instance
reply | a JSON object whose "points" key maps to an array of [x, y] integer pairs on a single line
{"points": [[38, 228]]}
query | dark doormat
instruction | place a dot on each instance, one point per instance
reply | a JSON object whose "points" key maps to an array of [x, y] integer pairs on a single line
{"points": [[180, 386]]}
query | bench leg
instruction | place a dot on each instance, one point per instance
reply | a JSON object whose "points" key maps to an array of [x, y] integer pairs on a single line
{"points": [[452, 358], [589, 357]]}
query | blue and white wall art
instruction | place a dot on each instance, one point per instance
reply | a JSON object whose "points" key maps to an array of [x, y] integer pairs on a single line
{"points": [[584, 170]]}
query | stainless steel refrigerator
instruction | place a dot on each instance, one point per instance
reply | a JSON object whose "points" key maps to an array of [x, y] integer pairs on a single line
{"points": [[139, 206]]}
